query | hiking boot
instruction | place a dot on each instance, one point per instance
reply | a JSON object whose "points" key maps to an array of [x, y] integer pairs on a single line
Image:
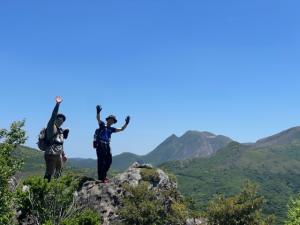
{"points": [[106, 180]]}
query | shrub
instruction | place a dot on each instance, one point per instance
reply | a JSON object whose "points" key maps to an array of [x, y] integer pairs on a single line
{"points": [[86, 217], [9, 165], [293, 216], [46, 202], [143, 206], [242, 209], [150, 175]]}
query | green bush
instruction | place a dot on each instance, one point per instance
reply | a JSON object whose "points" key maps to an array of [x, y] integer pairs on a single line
{"points": [[9, 165], [242, 209], [142, 206], [194, 211], [293, 216], [47, 202], [87, 217], [150, 175]]}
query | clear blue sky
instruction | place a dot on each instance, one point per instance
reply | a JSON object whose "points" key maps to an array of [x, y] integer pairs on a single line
{"points": [[229, 67]]}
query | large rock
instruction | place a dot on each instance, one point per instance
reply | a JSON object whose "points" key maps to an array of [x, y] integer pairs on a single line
{"points": [[106, 199]]}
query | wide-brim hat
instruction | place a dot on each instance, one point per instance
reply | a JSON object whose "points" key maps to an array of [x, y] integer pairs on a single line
{"points": [[112, 117]]}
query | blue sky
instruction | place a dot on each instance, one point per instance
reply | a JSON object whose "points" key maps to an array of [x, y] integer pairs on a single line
{"points": [[228, 67]]}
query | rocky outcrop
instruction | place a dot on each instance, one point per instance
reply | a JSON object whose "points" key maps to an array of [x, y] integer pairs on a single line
{"points": [[106, 199]]}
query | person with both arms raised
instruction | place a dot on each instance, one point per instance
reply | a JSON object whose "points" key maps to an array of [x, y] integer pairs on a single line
{"points": [[102, 143]]}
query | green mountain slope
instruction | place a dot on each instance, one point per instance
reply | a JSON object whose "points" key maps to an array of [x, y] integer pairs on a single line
{"points": [[275, 168], [124, 160], [33, 161], [290, 136]]}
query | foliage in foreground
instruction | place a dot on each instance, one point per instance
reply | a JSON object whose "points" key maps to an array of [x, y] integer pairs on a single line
{"points": [[244, 208], [52, 202], [86, 217], [145, 206], [293, 215], [9, 165]]}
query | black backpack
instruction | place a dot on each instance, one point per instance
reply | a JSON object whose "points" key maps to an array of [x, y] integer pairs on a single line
{"points": [[43, 143], [96, 138]]}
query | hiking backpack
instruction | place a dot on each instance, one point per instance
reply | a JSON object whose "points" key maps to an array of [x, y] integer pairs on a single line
{"points": [[96, 138], [43, 143]]}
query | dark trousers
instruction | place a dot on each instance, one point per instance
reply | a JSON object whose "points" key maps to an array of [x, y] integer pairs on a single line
{"points": [[104, 160], [53, 166]]}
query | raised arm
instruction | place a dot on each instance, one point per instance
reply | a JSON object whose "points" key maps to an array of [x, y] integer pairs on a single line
{"points": [[125, 125], [51, 129], [98, 108]]}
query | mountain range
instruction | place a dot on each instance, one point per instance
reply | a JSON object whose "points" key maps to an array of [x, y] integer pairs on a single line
{"points": [[207, 165], [192, 144], [273, 163]]}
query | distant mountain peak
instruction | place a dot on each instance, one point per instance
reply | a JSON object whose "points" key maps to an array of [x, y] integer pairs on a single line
{"points": [[199, 133], [192, 144], [173, 136]]}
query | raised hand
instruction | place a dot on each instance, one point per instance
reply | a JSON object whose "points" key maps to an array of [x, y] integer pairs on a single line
{"points": [[127, 119], [98, 108], [58, 99]]}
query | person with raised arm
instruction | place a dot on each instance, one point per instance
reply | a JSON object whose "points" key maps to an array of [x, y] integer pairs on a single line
{"points": [[55, 136]]}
